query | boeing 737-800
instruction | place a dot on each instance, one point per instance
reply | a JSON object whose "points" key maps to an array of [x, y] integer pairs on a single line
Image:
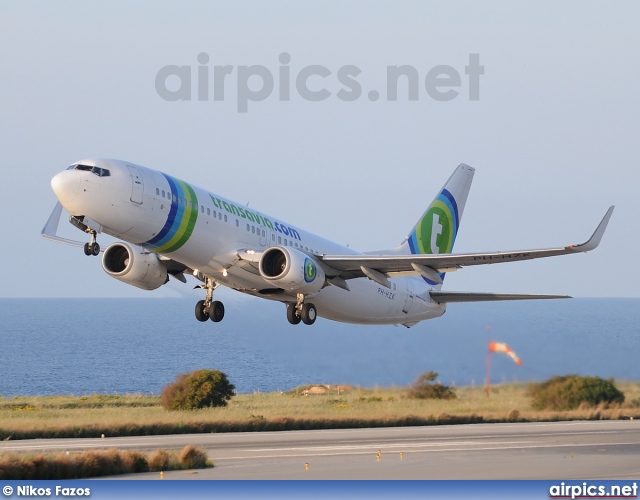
{"points": [[170, 228]]}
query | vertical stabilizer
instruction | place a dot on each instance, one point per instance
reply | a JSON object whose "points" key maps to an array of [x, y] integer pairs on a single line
{"points": [[436, 231]]}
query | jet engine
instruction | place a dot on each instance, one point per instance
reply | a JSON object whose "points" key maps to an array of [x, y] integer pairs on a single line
{"points": [[291, 270], [136, 268]]}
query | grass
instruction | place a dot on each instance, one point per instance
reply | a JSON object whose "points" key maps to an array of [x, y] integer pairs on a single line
{"points": [[94, 463], [121, 415]]}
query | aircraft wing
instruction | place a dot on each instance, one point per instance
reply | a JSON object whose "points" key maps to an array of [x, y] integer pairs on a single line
{"points": [[379, 267], [50, 229]]}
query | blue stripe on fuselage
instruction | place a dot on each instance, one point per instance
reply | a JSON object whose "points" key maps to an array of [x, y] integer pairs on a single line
{"points": [[168, 230]]}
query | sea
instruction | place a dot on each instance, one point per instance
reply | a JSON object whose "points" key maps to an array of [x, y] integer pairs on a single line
{"points": [[126, 346]]}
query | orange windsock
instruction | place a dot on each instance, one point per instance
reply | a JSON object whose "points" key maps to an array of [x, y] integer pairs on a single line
{"points": [[500, 347]]}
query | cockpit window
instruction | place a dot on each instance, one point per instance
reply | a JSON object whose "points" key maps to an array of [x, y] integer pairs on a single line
{"points": [[100, 172]]}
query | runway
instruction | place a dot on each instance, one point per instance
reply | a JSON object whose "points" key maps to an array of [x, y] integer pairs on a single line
{"points": [[555, 450]]}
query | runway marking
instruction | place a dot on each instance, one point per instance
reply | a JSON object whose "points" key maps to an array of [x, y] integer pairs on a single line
{"points": [[440, 450], [209, 439], [380, 446]]}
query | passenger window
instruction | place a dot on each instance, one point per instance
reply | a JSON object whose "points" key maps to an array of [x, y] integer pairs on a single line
{"points": [[174, 198], [202, 208], [237, 223], [164, 194], [285, 242], [215, 214], [279, 240], [248, 227], [220, 215], [157, 191], [273, 237], [208, 211], [253, 229], [225, 218]]}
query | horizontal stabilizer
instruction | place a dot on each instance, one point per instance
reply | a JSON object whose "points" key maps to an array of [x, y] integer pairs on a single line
{"points": [[447, 297]]}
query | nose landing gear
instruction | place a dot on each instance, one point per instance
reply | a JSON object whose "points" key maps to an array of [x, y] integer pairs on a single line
{"points": [[301, 311], [209, 308], [92, 247]]}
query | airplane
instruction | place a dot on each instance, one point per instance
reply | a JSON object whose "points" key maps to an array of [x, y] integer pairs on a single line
{"points": [[169, 228]]}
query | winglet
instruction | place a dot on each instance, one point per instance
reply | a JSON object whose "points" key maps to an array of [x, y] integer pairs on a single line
{"points": [[594, 241], [51, 227]]}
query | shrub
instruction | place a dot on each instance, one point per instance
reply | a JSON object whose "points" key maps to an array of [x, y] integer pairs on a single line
{"points": [[198, 389], [425, 388], [93, 463], [568, 392], [159, 460], [194, 458], [135, 461], [513, 415]]}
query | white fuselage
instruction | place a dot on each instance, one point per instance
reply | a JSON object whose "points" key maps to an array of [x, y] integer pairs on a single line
{"points": [[206, 232]]}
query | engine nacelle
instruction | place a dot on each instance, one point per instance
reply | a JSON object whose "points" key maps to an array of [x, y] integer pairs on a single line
{"points": [[143, 270], [291, 270]]}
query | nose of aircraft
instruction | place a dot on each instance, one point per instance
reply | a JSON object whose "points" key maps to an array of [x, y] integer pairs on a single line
{"points": [[66, 185]]}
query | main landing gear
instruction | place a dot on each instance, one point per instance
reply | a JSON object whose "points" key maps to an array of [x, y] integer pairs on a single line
{"points": [[209, 308], [92, 247], [301, 311]]}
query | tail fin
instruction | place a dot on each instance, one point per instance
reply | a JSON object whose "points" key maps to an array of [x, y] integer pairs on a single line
{"points": [[435, 232]]}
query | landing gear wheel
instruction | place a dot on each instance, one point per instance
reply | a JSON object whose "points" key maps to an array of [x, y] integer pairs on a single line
{"points": [[308, 314], [87, 249], [216, 311], [293, 318], [95, 248], [200, 314]]}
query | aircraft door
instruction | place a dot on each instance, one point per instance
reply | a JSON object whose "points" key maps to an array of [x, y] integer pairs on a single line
{"points": [[137, 185], [263, 236]]}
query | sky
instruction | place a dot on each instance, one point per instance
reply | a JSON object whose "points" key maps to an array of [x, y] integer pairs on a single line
{"points": [[551, 126]]}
